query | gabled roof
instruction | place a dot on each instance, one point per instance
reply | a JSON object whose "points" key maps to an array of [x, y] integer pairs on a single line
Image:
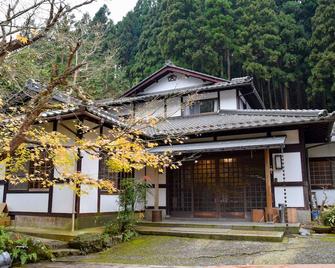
{"points": [[166, 69], [244, 84], [75, 111], [230, 120]]}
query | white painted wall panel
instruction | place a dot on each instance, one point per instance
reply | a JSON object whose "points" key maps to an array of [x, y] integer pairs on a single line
{"points": [[292, 166], [327, 150], [109, 203], [182, 81], [162, 178], [62, 199], [89, 200], [30, 202], [320, 196], [292, 136], [2, 187], [295, 196], [173, 107], [90, 165], [228, 99], [151, 199]]}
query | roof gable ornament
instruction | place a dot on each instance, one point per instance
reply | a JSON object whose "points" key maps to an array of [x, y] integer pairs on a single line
{"points": [[166, 70]]}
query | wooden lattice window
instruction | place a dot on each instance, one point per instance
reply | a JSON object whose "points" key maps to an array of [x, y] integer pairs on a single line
{"points": [[322, 172], [41, 170]]}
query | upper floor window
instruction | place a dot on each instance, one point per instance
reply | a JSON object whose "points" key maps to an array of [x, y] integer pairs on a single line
{"points": [[202, 106], [322, 171]]}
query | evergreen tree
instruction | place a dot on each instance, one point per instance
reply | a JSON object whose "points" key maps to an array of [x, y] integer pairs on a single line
{"points": [[322, 57]]}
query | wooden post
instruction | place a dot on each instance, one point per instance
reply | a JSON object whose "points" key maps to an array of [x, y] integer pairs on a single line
{"points": [[269, 209], [156, 197]]}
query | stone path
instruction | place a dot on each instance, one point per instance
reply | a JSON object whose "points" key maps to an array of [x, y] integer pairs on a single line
{"points": [[146, 251]]}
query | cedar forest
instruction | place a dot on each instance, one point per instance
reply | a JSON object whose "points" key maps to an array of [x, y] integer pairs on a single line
{"points": [[287, 46]]}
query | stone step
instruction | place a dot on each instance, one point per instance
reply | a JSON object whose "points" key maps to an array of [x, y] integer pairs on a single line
{"points": [[213, 233], [292, 228], [54, 234], [64, 252]]}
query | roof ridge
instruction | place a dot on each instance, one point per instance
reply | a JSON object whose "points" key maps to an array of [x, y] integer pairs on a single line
{"points": [[279, 112]]}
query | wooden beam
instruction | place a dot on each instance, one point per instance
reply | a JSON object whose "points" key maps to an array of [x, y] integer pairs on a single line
{"points": [[269, 209]]}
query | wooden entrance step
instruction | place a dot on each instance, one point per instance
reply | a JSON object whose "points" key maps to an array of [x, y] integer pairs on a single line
{"points": [[292, 228], [213, 233]]}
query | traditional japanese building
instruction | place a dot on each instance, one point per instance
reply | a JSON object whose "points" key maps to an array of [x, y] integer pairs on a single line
{"points": [[238, 155]]}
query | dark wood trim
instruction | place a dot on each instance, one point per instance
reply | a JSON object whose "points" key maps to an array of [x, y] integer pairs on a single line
{"points": [[80, 135], [51, 188], [161, 186], [290, 183], [65, 215], [152, 207], [219, 97], [101, 130], [28, 192], [5, 190]]}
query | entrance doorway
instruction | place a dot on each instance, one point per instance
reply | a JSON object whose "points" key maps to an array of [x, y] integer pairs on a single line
{"points": [[221, 185]]}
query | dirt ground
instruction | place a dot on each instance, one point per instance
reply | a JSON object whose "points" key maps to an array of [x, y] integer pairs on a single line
{"points": [[175, 251]]}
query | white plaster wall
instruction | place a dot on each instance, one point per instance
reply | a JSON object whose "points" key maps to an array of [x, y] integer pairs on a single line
{"points": [[109, 203], [295, 196], [292, 136], [90, 165], [327, 150], [30, 202], [182, 81], [150, 200], [228, 99], [292, 166], [89, 199], [150, 109], [2, 187], [173, 107], [62, 199], [320, 195]]}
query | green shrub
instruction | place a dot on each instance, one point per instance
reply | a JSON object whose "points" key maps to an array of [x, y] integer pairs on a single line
{"points": [[328, 216], [90, 243], [23, 249], [131, 192]]}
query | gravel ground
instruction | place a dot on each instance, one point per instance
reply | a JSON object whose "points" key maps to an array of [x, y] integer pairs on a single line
{"points": [[163, 250], [175, 251]]}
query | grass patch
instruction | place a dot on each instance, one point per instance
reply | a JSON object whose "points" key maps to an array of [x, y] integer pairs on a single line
{"points": [[328, 238]]}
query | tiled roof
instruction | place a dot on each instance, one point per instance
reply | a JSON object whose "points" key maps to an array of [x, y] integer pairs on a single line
{"points": [[241, 81], [237, 119], [32, 88], [106, 116]]}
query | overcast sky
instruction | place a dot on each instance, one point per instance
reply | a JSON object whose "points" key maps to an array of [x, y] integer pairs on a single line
{"points": [[118, 8]]}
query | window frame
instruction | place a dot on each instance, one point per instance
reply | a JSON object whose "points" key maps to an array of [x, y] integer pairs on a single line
{"points": [[29, 188], [189, 110], [331, 169]]}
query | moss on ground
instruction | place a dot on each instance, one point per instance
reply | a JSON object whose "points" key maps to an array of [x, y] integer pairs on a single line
{"points": [[139, 251], [328, 238]]}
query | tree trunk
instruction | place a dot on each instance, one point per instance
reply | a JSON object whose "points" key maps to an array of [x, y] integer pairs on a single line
{"points": [[269, 92], [228, 64], [286, 98]]}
